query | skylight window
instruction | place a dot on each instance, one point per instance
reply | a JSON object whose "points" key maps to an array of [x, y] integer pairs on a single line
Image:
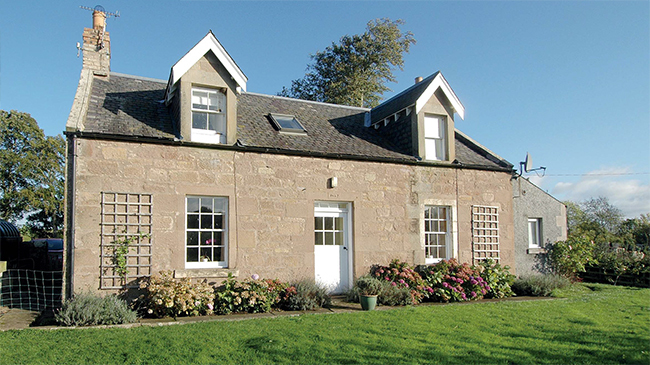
{"points": [[287, 123]]}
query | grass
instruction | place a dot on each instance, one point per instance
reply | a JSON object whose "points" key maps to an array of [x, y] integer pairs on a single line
{"points": [[592, 324]]}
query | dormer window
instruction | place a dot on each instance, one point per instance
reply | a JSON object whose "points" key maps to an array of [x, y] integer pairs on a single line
{"points": [[435, 137], [287, 124], [208, 115]]}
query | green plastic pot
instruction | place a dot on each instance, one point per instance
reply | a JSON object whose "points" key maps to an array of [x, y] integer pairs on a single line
{"points": [[368, 302]]}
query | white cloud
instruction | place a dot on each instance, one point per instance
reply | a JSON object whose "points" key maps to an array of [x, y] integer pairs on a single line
{"points": [[628, 193]]}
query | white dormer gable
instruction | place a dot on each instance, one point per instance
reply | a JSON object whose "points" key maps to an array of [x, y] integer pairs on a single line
{"points": [[439, 82], [208, 43]]}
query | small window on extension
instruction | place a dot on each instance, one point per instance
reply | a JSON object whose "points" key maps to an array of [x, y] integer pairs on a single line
{"points": [[287, 123]]}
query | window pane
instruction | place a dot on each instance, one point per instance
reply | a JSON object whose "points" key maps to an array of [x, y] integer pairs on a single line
{"points": [[218, 254], [338, 223], [192, 221], [218, 239], [217, 123], [192, 254], [329, 223], [443, 226], [192, 238], [199, 120], [432, 126], [427, 226], [329, 238], [205, 237], [318, 223], [319, 238], [427, 213], [206, 252], [218, 221], [192, 205], [339, 238], [206, 205], [206, 221], [220, 205]]}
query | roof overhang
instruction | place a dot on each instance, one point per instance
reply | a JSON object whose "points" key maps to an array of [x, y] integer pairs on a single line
{"points": [[439, 82], [208, 43]]}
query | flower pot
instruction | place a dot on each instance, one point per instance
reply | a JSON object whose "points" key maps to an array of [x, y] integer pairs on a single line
{"points": [[368, 302]]}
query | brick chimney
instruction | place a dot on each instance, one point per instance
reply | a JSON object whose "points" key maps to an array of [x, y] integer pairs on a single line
{"points": [[97, 46]]}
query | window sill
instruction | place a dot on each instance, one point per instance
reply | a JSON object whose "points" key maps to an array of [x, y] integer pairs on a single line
{"points": [[205, 273], [535, 250]]}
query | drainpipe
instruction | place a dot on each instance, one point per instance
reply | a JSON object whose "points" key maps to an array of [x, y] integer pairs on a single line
{"points": [[70, 194]]}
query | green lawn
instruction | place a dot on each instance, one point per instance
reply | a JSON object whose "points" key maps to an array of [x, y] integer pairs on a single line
{"points": [[604, 324]]}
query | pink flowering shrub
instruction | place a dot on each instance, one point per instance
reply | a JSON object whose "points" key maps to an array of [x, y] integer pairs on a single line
{"points": [[248, 296], [165, 296], [453, 282], [399, 274]]}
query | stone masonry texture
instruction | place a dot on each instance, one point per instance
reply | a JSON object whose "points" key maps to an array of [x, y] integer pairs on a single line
{"points": [[271, 206]]}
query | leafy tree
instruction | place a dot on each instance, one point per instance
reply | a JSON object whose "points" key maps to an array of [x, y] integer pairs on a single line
{"points": [[354, 71], [635, 233], [32, 183]]}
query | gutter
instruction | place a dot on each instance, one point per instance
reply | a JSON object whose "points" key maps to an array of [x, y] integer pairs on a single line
{"points": [[241, 147]]}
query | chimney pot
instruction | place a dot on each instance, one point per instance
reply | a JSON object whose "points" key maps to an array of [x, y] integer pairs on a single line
{"points": [[99, 19], [418, 79]]}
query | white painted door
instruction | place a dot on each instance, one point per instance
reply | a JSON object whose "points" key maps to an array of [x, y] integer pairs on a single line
{"points": [[332, 245]]}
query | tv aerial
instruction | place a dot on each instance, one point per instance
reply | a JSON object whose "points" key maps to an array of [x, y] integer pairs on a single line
{"points": [[527, 166], [101, 9]]}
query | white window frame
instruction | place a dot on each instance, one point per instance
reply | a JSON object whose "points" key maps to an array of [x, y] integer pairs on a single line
{"points": [[535, 238], [223, 231], [209, 135], [435, 137], [428, 234]]}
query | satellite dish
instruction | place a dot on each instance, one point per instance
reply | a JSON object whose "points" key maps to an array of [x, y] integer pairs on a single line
{"points": [[527, 166], [528, 163]]}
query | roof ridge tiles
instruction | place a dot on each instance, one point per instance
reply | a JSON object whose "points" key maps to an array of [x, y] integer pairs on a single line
{"points": [[307, 101], [138, 77]]}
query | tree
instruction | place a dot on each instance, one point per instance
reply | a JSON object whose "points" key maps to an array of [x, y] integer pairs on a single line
{"points": [[354, 71], [603, 213], [31, 167]]}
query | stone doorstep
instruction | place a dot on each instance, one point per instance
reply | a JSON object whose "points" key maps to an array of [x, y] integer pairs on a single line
{"points": [[22, 318]]}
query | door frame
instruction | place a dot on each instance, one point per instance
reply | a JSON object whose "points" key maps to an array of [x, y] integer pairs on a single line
{"points": [[334, 207]]}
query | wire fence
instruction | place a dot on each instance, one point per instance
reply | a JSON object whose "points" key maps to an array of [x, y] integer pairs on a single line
{"points": [[31, 289]]}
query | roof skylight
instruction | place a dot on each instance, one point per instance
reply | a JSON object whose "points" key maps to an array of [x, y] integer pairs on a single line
{"points": [[287, 123]]}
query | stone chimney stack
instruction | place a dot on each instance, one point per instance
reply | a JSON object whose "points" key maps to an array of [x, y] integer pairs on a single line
{"points": [[97, 46]]}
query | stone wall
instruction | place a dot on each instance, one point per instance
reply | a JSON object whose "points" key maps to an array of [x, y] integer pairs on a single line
{"points": [[530, 201], [271, 206]]}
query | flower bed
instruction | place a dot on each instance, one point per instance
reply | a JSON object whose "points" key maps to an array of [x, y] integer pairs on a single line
{"points": [[446, 281]]}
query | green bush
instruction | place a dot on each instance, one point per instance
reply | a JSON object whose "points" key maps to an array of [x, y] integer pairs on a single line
{"points": [[498, 279], [368, 285], [165, 296], [570, 257], [305, 295], [539, 285], [248, 296], [88, 310], [394, 295]]}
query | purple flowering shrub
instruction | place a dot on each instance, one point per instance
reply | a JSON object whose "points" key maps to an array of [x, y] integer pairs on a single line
{"points": [[399, 274], [249, 295], [453, 282]]}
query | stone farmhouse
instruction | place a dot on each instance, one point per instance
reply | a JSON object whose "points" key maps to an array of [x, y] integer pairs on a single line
{"points": [[204, 178]]}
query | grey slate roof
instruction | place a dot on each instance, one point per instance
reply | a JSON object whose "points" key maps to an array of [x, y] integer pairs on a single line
{"points": [[129, 106], [132, 107]]}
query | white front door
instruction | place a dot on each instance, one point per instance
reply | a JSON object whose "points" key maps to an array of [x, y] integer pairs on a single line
{"points": [[332, 245]]}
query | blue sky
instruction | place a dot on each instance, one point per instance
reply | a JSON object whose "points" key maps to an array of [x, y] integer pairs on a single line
{"points": [[568, 82]]}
